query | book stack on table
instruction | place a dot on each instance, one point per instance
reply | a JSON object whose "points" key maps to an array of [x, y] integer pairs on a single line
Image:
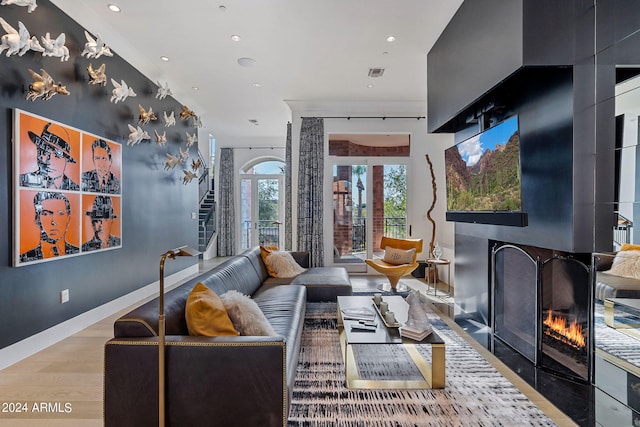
{"points": [[416, 333]]}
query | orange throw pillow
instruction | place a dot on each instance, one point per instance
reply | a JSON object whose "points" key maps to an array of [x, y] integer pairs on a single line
{"points": [[629, 247], [265, 251], [206, 314]]}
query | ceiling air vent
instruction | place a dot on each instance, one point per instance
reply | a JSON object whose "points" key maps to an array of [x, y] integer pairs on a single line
{"points": [[376, 72]]}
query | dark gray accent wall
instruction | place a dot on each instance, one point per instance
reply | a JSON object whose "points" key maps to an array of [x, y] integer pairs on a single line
{"points": [[486, 42], [156, 206]]}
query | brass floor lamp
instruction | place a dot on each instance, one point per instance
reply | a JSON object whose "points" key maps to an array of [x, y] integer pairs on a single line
{"points": [[173, 253]]}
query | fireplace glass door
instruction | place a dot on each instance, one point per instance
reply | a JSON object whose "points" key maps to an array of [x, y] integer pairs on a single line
{"points": [[565, 316], [514, 299]]}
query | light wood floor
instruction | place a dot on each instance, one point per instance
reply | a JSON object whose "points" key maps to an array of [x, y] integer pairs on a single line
{"points": [[62, 385]]}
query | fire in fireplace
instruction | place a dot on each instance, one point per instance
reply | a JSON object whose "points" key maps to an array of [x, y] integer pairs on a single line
{"points": [[565, 316], [559, 328]]}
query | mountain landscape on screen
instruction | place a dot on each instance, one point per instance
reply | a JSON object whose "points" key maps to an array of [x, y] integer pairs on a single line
{"points": [[483, 172]]}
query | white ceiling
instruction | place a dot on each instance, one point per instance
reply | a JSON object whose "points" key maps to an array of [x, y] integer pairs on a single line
{"points": [[305, 50]]}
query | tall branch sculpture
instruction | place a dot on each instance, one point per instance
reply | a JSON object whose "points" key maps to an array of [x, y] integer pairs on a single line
{"points": [[433, 204]]}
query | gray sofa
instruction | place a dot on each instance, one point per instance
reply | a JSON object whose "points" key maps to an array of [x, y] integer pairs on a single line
{"points": [[240, 380], [612, 286]]}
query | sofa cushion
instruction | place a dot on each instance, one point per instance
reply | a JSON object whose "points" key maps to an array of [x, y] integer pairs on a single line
{"points": [[246, 316], [397, 256], [626, 264], [629, 247], [264, 253], [324, 283], [206, 314], [282, 264]]}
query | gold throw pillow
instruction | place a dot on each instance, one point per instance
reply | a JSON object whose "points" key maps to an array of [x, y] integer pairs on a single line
{"points": [[206, 315]]}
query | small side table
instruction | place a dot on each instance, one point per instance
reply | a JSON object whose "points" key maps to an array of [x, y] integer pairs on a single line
{"points": [[432, 266]]}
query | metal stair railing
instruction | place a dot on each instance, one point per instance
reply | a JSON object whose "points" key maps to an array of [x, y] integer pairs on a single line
{"points": [[622, 231], [207, 208]]}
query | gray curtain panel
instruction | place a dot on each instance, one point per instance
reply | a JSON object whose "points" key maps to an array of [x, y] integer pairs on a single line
{"points": [[226, 204], [288, 229], [310, 177]]}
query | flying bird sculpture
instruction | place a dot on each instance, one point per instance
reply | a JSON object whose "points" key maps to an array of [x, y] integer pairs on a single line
{"points": [[137, 135], [146, 116], [163, 91], [20, 41], [169, 120], [121, 91], [98, 75], [44, 86], [55, 47], [95, 48], [31, 4], [161, 139]]}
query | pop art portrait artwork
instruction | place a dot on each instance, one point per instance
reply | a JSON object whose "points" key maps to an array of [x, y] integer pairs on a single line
{"points": [[49, 227], [100, 224], [101, 166], [59, 171]]}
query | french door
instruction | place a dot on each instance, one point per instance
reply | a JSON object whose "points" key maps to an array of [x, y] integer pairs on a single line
{"points": [[368, 201], [261, 210]]}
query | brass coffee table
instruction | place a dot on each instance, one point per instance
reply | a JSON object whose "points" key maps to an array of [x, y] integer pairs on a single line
{"points": [[434, 374]]}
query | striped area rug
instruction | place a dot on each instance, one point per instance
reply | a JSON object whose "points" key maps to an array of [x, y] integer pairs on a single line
{"points": [[476, 394]]}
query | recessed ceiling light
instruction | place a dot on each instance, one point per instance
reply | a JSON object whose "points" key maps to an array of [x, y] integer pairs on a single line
{"points": [[391, 39], [369, 85], [222, 8], [165, 58], [247, 62], [195, 88], [114, 8], [235, 38], [385, 53], [256, 85]]}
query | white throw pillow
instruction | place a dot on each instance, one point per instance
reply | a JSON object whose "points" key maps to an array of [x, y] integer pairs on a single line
{"points": [[626, 264], [282, 264], [246, 316], [398, 256]]}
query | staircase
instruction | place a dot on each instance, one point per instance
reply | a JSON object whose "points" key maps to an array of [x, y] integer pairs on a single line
{"points": [[206, 220]]}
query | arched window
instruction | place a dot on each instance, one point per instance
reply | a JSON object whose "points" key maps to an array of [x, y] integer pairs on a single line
{"points": [[261, 203]]}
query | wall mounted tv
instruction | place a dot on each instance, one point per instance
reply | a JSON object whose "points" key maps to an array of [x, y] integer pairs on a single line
{"points": [[483, 177]]}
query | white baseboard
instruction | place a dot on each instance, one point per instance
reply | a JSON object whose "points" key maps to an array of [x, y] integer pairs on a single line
{"points": [[35, 343]]}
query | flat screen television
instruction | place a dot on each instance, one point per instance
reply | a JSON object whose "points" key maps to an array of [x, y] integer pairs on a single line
{"points": [[483, 177]]}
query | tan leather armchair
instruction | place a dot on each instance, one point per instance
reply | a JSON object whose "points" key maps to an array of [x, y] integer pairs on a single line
{"points": [[392, 270]]}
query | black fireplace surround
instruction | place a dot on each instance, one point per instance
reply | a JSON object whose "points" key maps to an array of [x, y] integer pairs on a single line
{"points": [[541, 303]]}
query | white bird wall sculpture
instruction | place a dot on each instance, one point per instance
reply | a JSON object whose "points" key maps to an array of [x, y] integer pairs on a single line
{"points": [[169, 120], [18, 41], [163, 91], [172, 162], [161, 139], [121, 91], [137, 135], [95, 48], [188, 176], [31, 4], [191, 139], [55, 47]]}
